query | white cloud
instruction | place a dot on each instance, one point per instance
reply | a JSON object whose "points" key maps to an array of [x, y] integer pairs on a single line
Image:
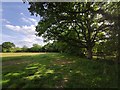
{"points": [[7, 38], [33, 20], [27, 32], [25, 20], [29, 40], [21, 13], [29, 20], [22, 29], [5, 21], [29, 35]]}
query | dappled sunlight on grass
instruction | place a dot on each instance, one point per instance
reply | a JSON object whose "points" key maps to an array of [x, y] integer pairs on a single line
{"points": [[5, 81], [12, 74], [55, 70], [32, 77], [34, 67]]}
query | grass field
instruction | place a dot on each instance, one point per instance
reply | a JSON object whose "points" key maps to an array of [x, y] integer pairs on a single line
{"points": [[54, 70], [17, 54]]}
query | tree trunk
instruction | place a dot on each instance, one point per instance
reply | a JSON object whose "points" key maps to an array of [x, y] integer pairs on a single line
{"points": [[118, 45], [89, 53]]}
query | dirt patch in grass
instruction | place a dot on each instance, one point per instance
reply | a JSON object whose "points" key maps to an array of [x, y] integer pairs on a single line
{"points": [[62, 62]]}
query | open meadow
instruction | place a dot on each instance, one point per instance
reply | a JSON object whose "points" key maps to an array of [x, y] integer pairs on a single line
{"points": [[55, 70]]}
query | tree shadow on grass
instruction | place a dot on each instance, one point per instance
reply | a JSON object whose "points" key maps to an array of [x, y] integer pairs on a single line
{"points": [[93, 75], [30, 72], [57, 71]]}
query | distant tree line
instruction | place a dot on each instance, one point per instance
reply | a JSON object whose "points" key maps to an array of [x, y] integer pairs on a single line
{"points": [[11, 47], [100, 50]]}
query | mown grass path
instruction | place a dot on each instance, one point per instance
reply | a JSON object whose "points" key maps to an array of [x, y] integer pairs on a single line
{"points": [[54, 70]]}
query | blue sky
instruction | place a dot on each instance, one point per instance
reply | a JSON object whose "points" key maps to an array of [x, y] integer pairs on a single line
{"points": [[18, 26]]}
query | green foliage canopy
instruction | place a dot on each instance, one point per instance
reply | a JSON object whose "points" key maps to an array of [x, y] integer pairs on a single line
{"points": [[77, 23], [7, 46], [35, 48]]}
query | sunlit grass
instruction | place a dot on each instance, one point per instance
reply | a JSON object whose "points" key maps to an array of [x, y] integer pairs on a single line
{"points": [[54, 70], [17, 54]]}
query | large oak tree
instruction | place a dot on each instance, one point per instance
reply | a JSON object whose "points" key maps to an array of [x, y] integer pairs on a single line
{"points": [[77, 23]]}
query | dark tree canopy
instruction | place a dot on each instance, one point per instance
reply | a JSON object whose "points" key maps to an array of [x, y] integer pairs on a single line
{"points": [[79, 24], [8, 45]]}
